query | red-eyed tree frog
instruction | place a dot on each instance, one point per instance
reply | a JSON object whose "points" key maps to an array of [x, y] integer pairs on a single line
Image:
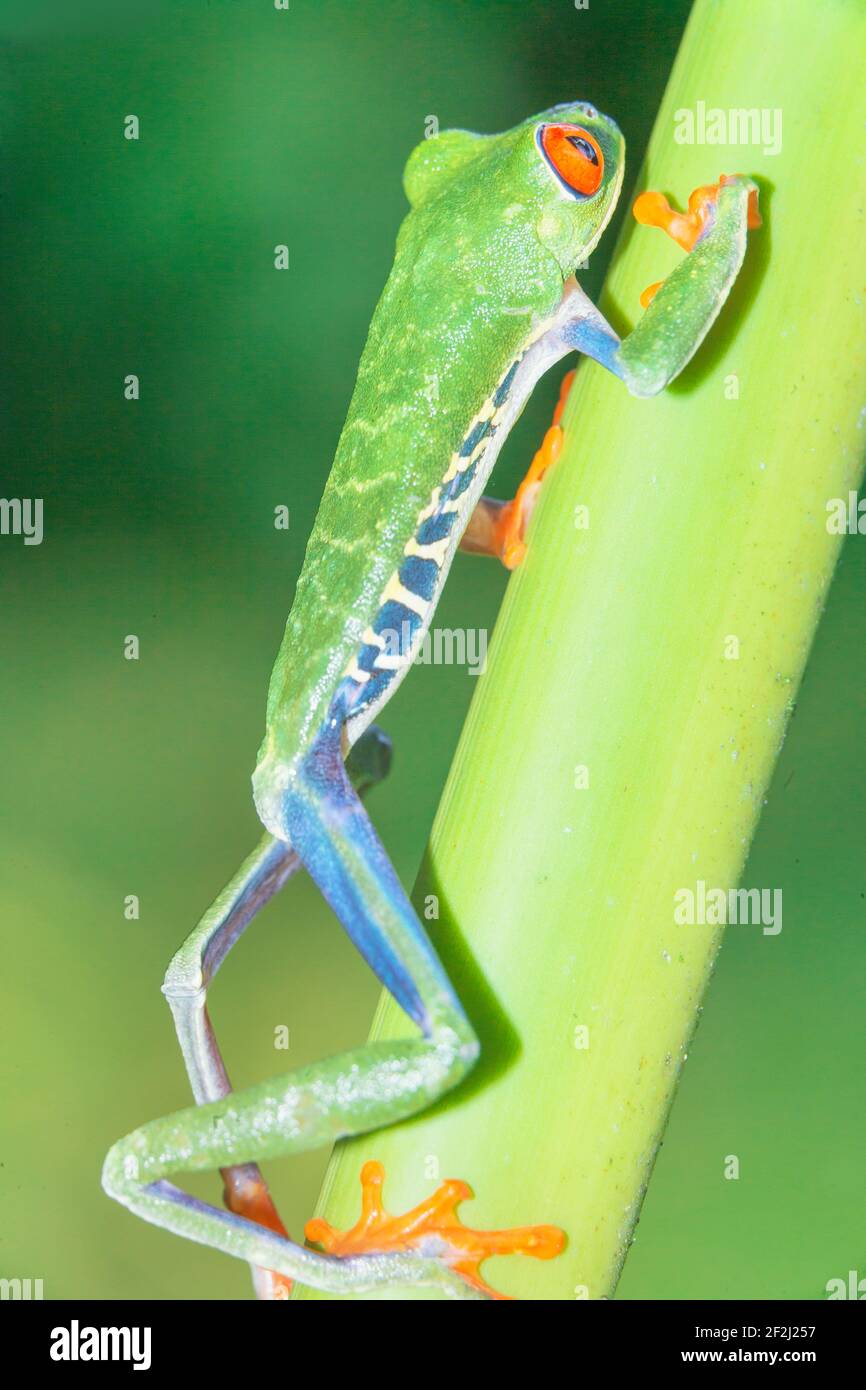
{"points": [[482, 299]]}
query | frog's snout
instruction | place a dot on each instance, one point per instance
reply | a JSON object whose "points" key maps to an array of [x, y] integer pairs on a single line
{"points": [[584, 107]]}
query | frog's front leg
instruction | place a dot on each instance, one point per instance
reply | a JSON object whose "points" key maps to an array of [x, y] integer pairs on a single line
{"points": [[680, 313], [316, 811], [683, 308]]}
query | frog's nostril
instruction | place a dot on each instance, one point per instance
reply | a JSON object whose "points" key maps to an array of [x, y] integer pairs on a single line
{"points": [[585, 107]]}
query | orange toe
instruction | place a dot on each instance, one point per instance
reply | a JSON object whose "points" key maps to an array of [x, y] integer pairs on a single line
{"points": [[564, 388], [499, 528], [653, 210], [433, 1228], [515, 515], [649, 294], [246, 1194]]}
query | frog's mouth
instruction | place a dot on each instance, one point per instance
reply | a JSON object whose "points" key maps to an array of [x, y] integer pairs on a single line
{"points": [[612, 195]]}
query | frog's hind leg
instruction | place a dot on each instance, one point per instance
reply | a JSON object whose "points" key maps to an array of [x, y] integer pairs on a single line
{"points": [[339, 846], [361, 1090], [194, 966], [185, 987], [322, 817]]}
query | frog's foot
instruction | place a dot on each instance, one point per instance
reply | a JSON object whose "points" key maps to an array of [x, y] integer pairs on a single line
{"points": [[246, 1194], [687, 228], [433, 1228], [499, 528]]}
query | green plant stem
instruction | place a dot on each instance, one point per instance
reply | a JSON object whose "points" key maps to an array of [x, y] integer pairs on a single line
{"points": [[659, 648]]}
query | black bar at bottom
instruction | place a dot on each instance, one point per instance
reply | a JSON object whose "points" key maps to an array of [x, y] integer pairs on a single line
{"points": [[64, 1338]]}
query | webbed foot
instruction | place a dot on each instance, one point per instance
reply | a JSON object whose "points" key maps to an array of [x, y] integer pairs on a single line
{"points": [[432, 1228]]}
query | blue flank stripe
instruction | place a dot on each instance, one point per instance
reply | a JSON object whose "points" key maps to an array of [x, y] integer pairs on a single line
{"points": [[366, 657], [502, 390], [401, 624], [419, 576], [435, 528], [474, 438], [459, 483], [391, 618], [370, 692]]}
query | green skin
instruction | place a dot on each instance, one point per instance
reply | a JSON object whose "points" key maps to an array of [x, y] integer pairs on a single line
{"points": [[482, 279]]}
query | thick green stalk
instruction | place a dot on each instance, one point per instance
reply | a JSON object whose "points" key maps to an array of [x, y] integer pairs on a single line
{"points": [[658, 648]]}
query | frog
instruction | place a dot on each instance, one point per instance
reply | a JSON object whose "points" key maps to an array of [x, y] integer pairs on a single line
{"points": [[481, 302]]}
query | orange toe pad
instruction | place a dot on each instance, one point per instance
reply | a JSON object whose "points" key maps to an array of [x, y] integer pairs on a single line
{"points": [[246, 1194], [431, 1228], [685, 228], [509, 543]]}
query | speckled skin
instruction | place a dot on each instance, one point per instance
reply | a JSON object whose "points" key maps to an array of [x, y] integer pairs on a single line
{"points": [[480, 264]]}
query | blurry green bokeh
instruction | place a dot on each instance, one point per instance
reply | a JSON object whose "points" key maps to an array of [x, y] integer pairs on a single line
{"points": [[155, 257]]}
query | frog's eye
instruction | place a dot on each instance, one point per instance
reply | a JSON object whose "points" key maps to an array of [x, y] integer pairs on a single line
{"points": [[574, 156]]}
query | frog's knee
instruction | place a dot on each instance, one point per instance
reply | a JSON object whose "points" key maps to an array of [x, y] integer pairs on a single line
{"points": [[272, 782], [120, 1171]]}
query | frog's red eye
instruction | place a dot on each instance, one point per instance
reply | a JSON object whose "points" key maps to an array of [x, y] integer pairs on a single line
{"points": [[574, 156]]}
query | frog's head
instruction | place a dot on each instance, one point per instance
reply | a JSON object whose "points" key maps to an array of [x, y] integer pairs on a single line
{"points": [[579, 161], [553, 182]]}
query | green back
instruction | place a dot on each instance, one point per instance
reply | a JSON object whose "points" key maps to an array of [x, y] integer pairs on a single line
{"points": [[479, 266]]}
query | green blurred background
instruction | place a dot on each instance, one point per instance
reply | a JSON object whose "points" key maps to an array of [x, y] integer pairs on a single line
{"points": [[155, 257]]}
